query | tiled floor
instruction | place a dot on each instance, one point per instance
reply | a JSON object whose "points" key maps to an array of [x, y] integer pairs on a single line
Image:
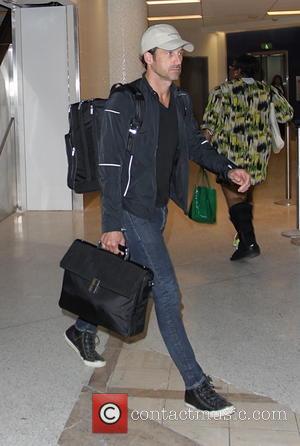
{"points": [[157, 409], [242, 319], [145, 372]]}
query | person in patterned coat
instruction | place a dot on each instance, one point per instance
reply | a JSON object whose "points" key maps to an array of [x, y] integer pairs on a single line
{"points": [[236, 122]]}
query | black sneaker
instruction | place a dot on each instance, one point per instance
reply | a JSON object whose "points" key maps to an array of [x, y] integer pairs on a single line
{"points": [[205, 398], [242, 252], [84, 343]]}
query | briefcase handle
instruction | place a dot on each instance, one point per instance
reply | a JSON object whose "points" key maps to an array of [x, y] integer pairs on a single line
{"points": [[125, 251]]}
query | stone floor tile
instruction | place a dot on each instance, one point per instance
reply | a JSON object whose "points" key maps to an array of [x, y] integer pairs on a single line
{"points": [[259, 437], [111, 354], [220, 385], [243, 395], [191, 419], [203, 435], [298, 421], [266, 416], [140, 378], [175, 380], [133, 359], [232, 390], [149, 408], [78, 430]]}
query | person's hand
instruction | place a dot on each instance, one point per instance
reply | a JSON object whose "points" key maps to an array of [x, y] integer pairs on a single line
{"points": [[207, 134], [111, 241], [241, 178]]}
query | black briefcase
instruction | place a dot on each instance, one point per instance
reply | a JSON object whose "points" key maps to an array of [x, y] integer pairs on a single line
{"points": [[102, 288]]}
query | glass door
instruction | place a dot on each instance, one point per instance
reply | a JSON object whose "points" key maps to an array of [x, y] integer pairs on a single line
{"points": [[271, 64]]}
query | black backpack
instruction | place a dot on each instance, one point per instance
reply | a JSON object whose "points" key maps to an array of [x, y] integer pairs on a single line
{"points": [[83, 139]]}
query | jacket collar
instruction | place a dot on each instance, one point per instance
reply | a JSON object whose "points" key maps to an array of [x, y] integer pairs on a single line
{"points": [[173, 88]]}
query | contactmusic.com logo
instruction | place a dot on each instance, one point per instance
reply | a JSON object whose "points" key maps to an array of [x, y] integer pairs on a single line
{"points": [[110, 413]]}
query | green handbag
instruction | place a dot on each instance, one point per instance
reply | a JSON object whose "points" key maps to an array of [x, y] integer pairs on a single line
{"points": [[203, 207]]}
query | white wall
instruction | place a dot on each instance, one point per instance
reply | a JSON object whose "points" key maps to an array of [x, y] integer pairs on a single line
{"points": [[44, 83]]}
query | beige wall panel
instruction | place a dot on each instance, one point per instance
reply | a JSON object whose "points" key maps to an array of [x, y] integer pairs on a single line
{"points": [[93, 48], [211, 45]]}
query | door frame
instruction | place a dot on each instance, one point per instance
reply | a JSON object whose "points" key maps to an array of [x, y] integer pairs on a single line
{"points": [[286, 63]]}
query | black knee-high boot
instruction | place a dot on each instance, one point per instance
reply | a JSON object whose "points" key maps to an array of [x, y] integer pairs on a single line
{"points": [[241, 217]]}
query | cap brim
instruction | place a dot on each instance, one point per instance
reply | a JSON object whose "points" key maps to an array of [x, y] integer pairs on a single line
{"points": [[177, 43]]}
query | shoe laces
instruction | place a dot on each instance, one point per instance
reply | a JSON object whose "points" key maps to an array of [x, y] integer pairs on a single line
{"points": [[90, 340], [209, 389]]}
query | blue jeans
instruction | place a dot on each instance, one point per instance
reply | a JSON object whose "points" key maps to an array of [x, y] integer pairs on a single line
{"points": [[146, 245]]}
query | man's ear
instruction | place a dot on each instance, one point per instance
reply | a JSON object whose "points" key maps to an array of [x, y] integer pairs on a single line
{"points": [[148, 58]]}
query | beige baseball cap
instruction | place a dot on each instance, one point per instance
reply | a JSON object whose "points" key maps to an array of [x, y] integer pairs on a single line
{"points": [[163, 36]]}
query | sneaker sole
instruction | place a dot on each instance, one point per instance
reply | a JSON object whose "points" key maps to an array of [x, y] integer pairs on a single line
{"points": [[96, 364], [252, 255], [214, 413]]}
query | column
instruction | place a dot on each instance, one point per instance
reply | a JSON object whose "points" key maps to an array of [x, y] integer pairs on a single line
{"points": [[127, 20]]}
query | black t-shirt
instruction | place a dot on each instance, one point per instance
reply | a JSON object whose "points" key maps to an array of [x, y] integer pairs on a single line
{"points": [[167, 144]]}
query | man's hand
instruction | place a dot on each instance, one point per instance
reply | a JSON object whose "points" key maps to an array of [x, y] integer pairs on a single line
{"points": [[241, 178], [111, 241], [207, 134]]}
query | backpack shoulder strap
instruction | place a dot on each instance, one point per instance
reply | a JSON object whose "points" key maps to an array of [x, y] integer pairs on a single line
{"points": [[139, 102], [185, 103], [138, 97], [137, 119]]}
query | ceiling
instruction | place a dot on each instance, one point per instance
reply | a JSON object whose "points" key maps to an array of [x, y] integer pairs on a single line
{"points": [[218, 15], [10, 3], [5, 4], [230, 15]]}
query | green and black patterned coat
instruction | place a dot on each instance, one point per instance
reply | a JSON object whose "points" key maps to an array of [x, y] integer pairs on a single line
{"points": [[237, 115]]}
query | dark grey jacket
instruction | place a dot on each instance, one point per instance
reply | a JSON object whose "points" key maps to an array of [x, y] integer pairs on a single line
{"points": [[129, 182]]}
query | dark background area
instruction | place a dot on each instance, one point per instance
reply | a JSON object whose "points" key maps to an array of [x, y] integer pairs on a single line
{"points": [[5, 31], [194, 79]]}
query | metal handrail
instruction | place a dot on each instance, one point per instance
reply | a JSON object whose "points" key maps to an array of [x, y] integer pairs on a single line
{"points": [[288, 191], [295, 233], [6, 135]]}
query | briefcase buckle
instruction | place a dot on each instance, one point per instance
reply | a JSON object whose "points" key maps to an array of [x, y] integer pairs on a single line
{"points": [[94, 285]]}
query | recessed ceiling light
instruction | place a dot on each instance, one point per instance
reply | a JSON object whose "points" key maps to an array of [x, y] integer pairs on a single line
{"points": [[283, 12], [168, 2], [175, 17]]}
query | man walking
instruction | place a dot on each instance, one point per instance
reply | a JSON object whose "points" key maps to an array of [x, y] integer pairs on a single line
{"points": [[136, 189]]}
